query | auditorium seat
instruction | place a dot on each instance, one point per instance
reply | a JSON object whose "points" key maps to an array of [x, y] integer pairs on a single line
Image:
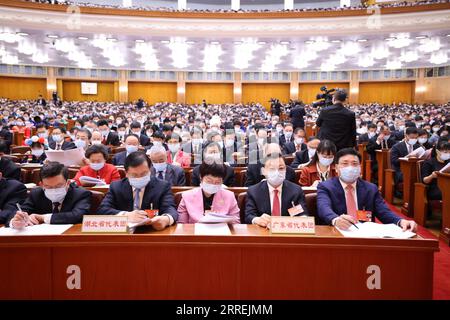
{"points": [[311, 204], [241, 199], [21, 149], [177, 196], [96, 199], [12, 158]]}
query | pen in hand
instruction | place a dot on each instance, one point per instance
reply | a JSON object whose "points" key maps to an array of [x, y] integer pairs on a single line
{"points": [[350, 222]]}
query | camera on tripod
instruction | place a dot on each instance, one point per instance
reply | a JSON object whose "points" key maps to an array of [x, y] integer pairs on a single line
{"points": [[325, 98]]}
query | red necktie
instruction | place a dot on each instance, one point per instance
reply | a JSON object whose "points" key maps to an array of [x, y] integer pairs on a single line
{"points": [[276, 204], [350, 201]]}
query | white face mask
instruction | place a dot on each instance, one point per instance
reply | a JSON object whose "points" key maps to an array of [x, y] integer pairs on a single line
{"points": [[80, 143], [37, 152], [139, 183], [412, 141], [325, 161], [210, 188], [174, 147], [97, 166], [229, 143], [422, 140], [445, 156], [131, 149], [275, 178], [56, 195], [56, 138], [96, 142], [371, 134], [311, 152], [299, 141]]}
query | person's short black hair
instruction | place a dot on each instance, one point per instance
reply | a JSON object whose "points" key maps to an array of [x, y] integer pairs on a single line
{"points": [[63, 130], [372, 126], [340, 95], [135, 159], [158, 135], [288, 124], [422, 132], [325, 147], [122, 125], [3, 147], [53, 169], [102, 122], [88, 132], [298, 129], [36, 145], [81, 122], [41, 125], [209, 145], [411, 130], [135, 125], [213, 169], [167, 128], [97, 148], [443, 144], [347, 151]]}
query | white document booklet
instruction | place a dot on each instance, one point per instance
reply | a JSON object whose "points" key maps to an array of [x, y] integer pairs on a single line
{"points": [[376, 230]]}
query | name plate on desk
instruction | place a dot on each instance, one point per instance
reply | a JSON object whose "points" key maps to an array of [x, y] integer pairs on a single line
{"points": [[104, 224], [293, 225]]}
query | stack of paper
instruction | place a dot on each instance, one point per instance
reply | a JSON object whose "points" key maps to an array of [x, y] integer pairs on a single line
{"points": [[376, 230], [218, 229], [97, 182], [72, 157], [215, 217], [418, 153], [37, 230], [445, 169]]}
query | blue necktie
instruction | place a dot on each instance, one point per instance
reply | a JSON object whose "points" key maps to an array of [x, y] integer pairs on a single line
{"points": [[160, 175], [137, 199]]}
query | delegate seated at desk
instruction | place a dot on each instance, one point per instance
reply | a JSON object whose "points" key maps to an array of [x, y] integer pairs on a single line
{"points": [[56, 202], [274, 196], [339, 198], [11, 193], [140, 191]]}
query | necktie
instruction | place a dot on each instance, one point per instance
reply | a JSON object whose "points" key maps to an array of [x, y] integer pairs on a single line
{"points": [[276, 204], [55, 207], [350, 201], [137, 194], [160, 175], [58, 147]]}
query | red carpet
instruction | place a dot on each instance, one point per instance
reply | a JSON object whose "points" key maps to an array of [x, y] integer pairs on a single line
{"points": [[441, 281]]}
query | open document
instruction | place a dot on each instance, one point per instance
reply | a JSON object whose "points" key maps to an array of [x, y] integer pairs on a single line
{"points": [[376, 230], [215, 217], [212, 229], [37, 230], [97, 182], [72, 157], [445, 169]]}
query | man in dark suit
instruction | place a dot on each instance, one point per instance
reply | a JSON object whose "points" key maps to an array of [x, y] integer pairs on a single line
{"points": [[383, 140], [402, 149], [339, 198], [41, 101], [303, 157], [11, 193], [337, 123], [140, 191], [131, 145], [297, 113], [274, 196], [287, 136], [212, 152], [57, 142], [136, 129], [6, 137], [163, 170], [9, 169], [298, 144], [57, 201], [371, 132], [110, 138]]}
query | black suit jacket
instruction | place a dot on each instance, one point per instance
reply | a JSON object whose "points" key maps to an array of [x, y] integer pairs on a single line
{"points": [[289, 148], [258, 200], [297, 113], [11, 193], [9, 169], [399, 150], [112, 139], [254, 175], [76, 204], [337, 124], [7, 137], [66, 145], [363, 138], [373, 145], [229, 179], [144, 140], [120, 198], [174, 175], [300, 158], [282, 140], [119, 158]]}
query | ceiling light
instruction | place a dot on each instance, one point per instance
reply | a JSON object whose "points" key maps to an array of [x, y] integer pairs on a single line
{"points": [[190, 42], [179, 52], [366, 61], [390, 39], [350, 48], [214, 42], [336, 41], [402, 40], [362, 40], [421, 37], [430, 45], [52, 36], [439, 57], [139, 41], [24, 34], [262, 42], [285, 42], [83, 38], [393, 64], [211, 56], [309, 41], [238, 42], [165, 41], [111, 39]]}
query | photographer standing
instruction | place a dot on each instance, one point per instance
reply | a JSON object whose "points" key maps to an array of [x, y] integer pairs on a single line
{"points": [[337, 123], [276, 107]]}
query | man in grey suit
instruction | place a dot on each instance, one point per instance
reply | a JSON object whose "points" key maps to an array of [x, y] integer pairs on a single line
{"points": [[164, 171]]}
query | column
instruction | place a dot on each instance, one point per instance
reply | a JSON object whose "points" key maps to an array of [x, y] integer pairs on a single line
{"points": [[181, 87], [288, 4], [182, 4], [237, 87], [235, 4], [51, 82], [123, 86], [294, 86], [354, 87], [421, 87]]}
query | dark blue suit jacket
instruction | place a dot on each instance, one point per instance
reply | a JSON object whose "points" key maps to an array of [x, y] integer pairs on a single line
{"points": [[258, 200], [331, 201], [120, 198], [11, 193], [289, 148], [174, 175], [119, 158], [399, 150]]}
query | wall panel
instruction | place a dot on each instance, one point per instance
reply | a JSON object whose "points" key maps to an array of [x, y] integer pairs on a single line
{"points": [[106, 91], [152, 92], [386, 92], [262, 92], [307, 92], [17, 88], [216, 93]]}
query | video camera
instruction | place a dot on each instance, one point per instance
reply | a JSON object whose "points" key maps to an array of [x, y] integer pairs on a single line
{"points": [[325, 98]]}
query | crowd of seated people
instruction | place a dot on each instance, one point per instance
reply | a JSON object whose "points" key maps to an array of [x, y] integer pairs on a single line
{"points": [[156, 144], [222, 10]]}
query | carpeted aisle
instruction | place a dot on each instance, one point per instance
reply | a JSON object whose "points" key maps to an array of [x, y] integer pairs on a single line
{"points": [[441, 285]]}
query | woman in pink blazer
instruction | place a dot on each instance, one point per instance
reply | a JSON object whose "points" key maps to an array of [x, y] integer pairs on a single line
{"points": [[208, 197], [175, 155]]}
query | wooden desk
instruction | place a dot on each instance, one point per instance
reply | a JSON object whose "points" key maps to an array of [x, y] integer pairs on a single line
{"points": [[250, 264], [443, 181], [383, 163], [410, 171]]}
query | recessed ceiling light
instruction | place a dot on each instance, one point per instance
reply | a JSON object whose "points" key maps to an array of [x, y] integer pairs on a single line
{"points": [[165, 41], [336, 41], [22, 34], [214, 42], [285, 42], [190, 42], [390, 39], [309, 41], [362, 40], [262, 42], [448, 35], [83, 38], [238, 42], [52, 36], [421, 37], [111, 39], [139, 41]]}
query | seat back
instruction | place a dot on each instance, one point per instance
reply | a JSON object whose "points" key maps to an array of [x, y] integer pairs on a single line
{"points": [[241, 199], [311, 204], [20, 149], [177, 196], [96, 200]]}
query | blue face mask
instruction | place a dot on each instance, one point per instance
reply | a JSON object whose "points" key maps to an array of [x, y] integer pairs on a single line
{"points": [[131, 149], [160, 166], [350, 174], [139, 183]]}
